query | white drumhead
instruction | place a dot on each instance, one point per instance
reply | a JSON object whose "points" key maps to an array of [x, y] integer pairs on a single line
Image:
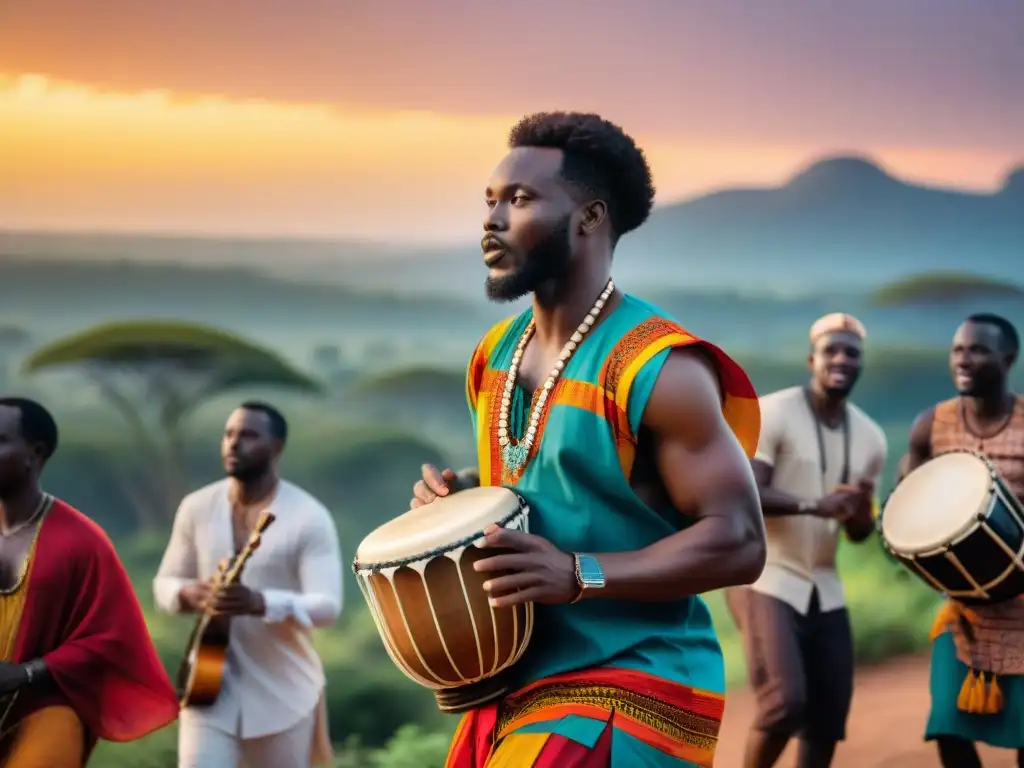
{"points": [[936, 503], [438, 525]]}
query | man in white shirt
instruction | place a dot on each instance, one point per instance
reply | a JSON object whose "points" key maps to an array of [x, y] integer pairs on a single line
{"points": [[270, 711], [819, 458]]}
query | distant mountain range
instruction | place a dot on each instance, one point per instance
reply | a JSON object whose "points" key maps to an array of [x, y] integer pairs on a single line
{"points": [[841, 224]]}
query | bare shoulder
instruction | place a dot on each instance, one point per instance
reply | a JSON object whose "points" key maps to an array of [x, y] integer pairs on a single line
{"points": [[921, 428], [687, 391]]}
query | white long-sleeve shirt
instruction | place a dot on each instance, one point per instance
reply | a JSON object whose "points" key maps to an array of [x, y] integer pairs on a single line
{"points": [[273, 677]]}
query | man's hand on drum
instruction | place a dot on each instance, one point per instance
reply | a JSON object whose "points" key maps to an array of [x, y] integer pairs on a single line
{"points": [[433, 484], [540, 572]]}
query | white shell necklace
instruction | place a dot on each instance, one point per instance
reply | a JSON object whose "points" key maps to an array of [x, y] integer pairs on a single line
{"points": [[514, 454]]}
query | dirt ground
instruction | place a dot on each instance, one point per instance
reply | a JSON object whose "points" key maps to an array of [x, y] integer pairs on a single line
{"points": [[885, 729]]}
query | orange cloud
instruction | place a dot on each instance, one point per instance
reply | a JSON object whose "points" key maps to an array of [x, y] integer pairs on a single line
{"points": [[76, 156]]}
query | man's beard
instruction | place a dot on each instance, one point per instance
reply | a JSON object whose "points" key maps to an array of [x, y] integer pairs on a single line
{"points": [[984, 383], [838, 393], [548, 260], [245, 473], [843, 392], [13, 481]]}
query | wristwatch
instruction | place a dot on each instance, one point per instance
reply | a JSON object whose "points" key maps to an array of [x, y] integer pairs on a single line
{"points": [[34, 670], [806, 507], [589, 575]]}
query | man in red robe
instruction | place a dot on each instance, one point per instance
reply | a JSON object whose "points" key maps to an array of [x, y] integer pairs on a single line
{"points": [[76, 660]]}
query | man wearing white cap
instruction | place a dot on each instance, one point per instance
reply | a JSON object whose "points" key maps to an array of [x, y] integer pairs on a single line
{"points": [[818, 460]]}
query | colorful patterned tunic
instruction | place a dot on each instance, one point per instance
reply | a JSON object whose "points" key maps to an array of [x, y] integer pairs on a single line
{"points": [[634, 683]]}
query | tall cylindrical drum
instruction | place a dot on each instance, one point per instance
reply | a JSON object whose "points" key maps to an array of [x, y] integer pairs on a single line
{"points": [[416, 574]]}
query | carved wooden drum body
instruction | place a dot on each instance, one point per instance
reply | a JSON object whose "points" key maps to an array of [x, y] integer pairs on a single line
{"points": [[956, 525], [432, 612]]}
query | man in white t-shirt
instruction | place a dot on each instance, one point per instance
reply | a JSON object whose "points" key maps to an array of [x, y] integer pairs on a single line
{"points": [[818, 460]]}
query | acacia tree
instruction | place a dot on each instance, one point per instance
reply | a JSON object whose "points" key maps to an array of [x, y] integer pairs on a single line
{"points": [[155, 374]]}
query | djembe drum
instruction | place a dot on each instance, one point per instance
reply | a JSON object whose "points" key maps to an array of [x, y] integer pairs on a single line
{"points": [[432, 612], [955, 524]]}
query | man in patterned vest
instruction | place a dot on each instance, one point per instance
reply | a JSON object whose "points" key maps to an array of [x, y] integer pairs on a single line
{"points": [[630, 440], [977, 673]]}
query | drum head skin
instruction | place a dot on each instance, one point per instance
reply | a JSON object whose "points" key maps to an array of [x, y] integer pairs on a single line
{"points": [[439, 525], [936, 503]]}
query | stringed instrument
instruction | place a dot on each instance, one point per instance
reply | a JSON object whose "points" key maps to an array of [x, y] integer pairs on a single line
{"points": [[202, 670]]}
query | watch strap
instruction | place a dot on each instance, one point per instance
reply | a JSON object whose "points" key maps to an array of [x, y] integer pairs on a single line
{"points": [[589, 574], [34, 670]]}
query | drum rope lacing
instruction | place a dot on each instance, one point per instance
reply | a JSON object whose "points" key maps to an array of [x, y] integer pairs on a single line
{"points": [[465, 542], [515, 453]]}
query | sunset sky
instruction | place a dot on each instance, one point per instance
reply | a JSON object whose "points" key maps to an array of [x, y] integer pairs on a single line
{"points": [[382, 119]]}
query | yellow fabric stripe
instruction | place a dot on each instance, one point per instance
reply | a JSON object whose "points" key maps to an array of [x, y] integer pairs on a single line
{"points": [[483, 437], [494, 335], [480, 358], [646, 354], [518, 750], [12, 604]]}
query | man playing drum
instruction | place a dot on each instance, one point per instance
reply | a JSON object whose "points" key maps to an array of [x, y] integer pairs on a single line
{"points": [[817, 464], [985, 417], [629, 438]]}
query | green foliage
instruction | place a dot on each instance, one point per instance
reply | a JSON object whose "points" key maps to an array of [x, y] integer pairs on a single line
{"points": [[933, 287], [404, 382], [410, 747], [187, 346], [433, 399], [154, 374]]}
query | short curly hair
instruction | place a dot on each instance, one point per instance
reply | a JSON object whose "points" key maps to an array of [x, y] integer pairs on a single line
{"points": [[598, 157], [1008, 334], [37, 423]]}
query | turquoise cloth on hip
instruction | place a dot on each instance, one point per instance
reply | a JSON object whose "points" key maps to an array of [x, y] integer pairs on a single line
{"points": [[1004, 729]]}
